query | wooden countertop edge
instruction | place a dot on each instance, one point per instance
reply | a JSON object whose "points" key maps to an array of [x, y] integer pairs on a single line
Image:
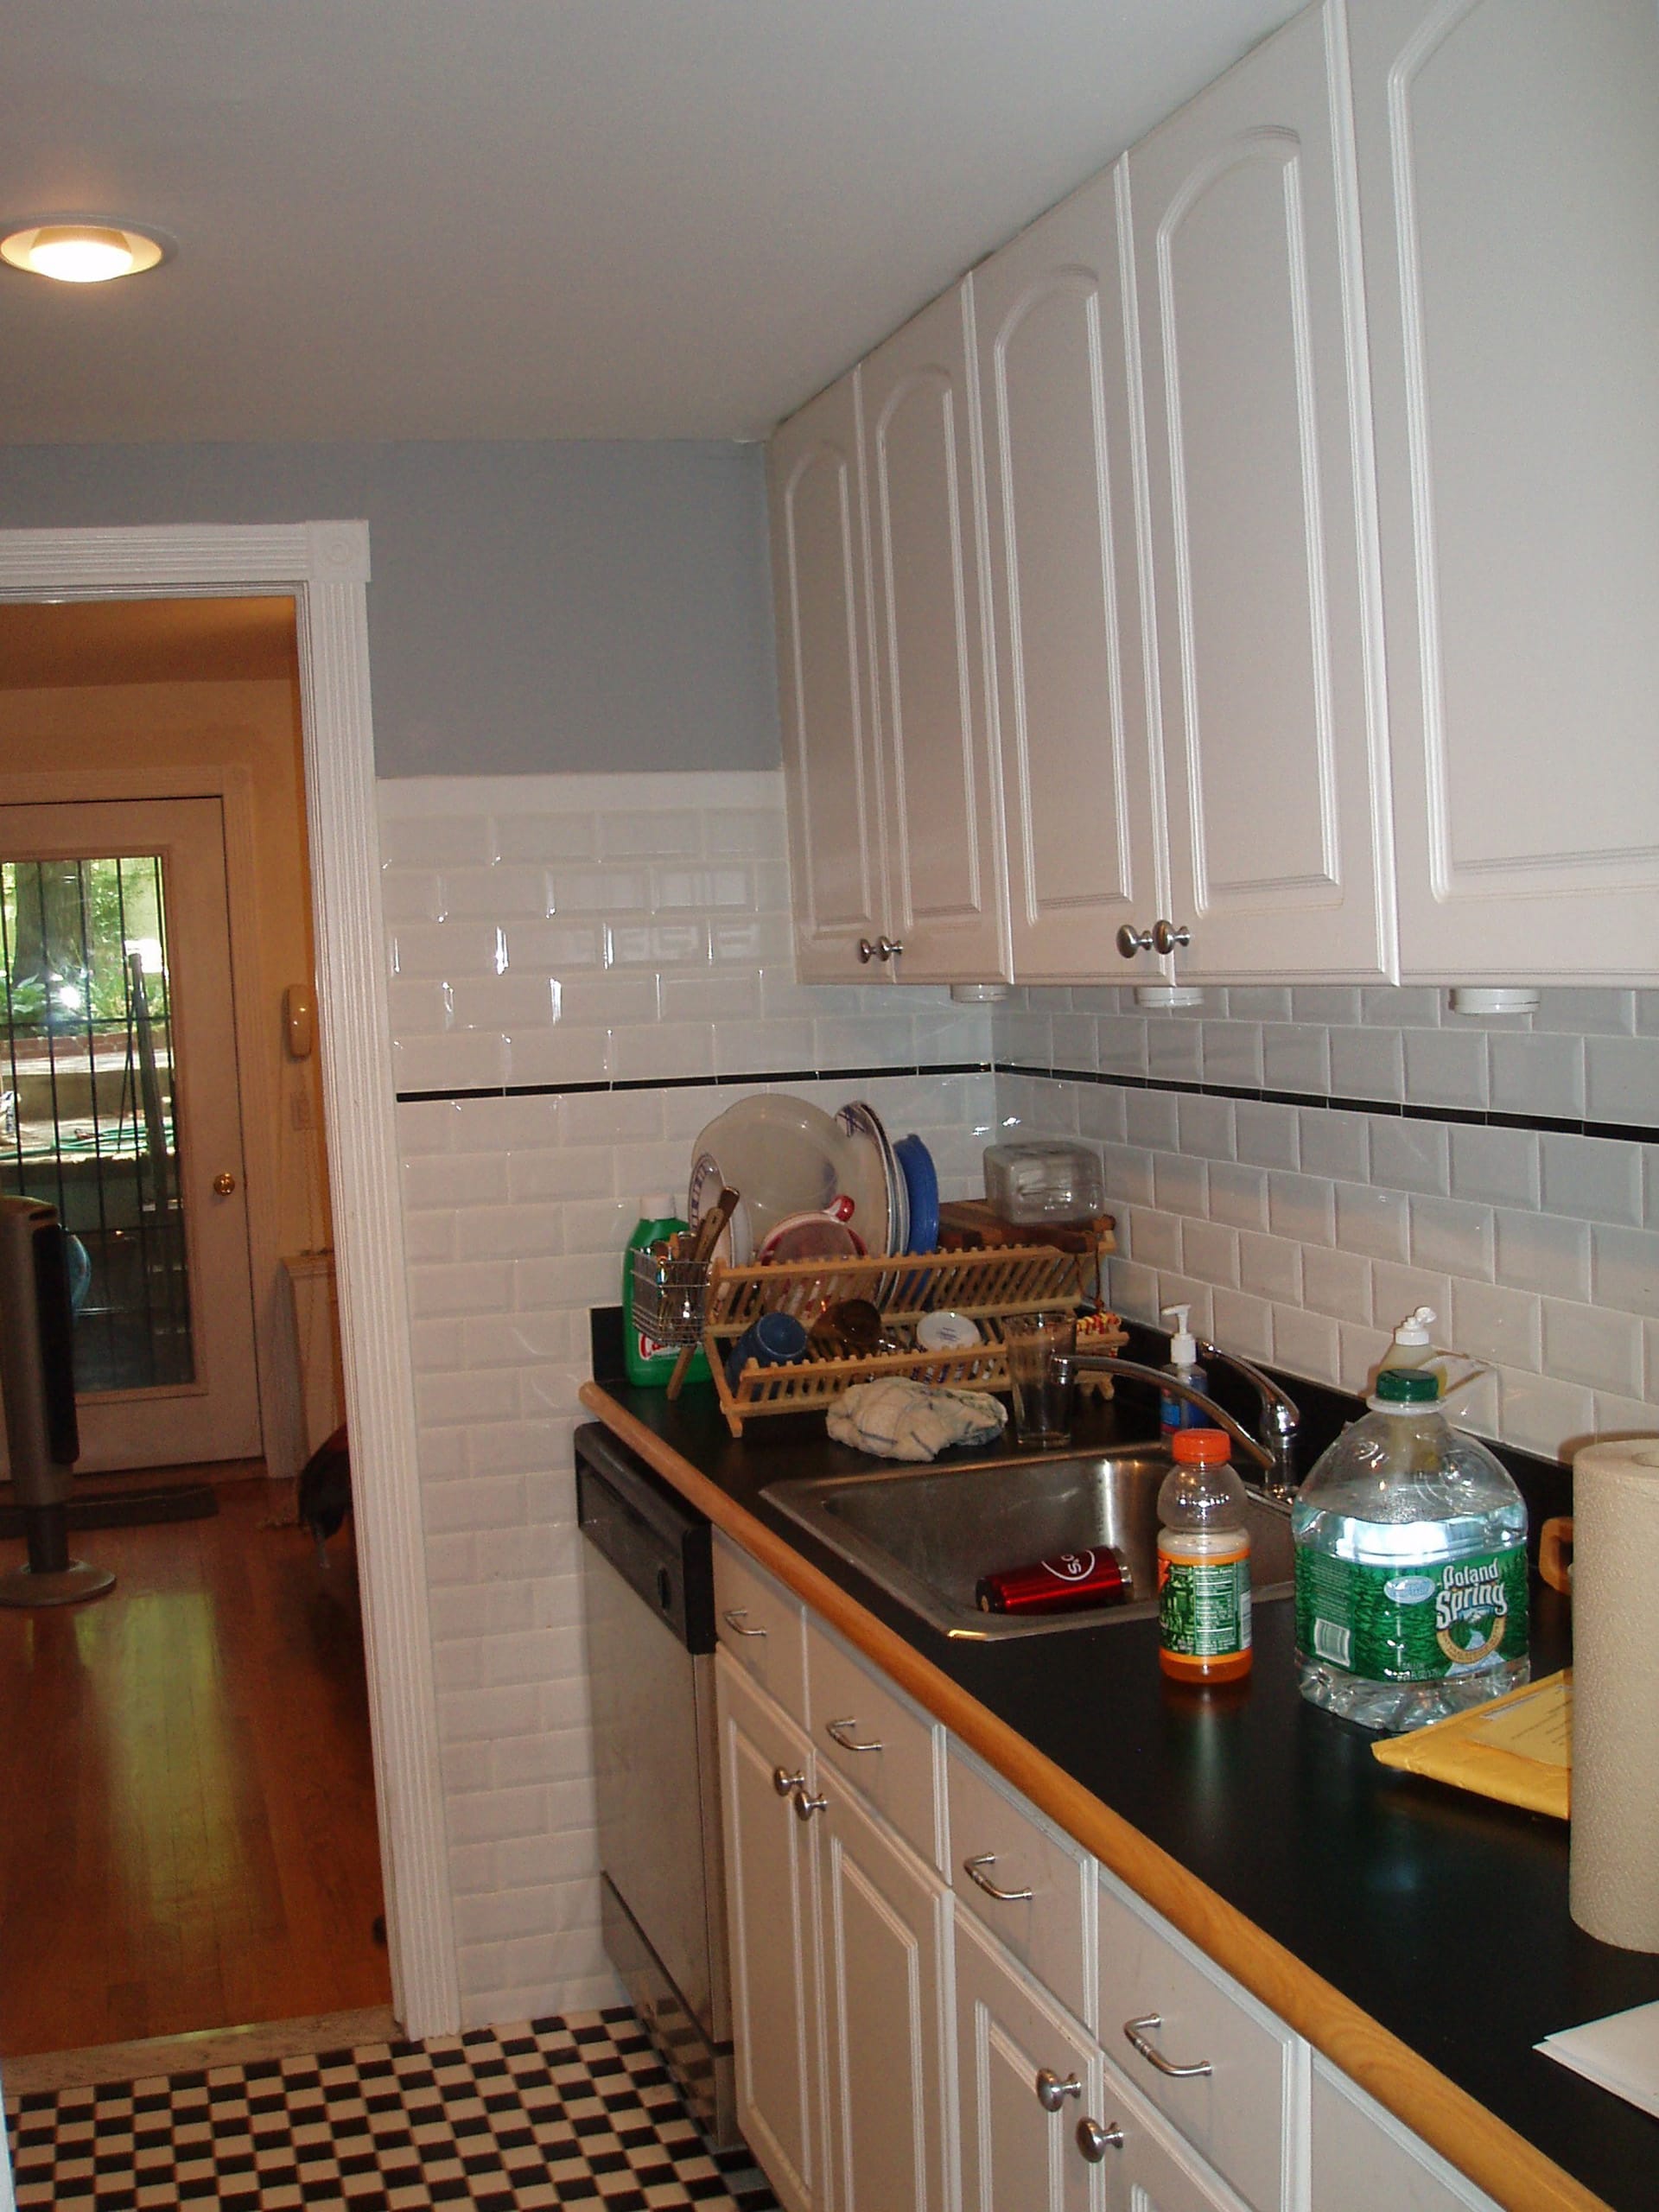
{"points": [[1464, 2132]]}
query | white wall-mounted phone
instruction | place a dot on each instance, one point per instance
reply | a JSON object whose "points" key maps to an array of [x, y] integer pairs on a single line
{"points": [[300, 1020]]}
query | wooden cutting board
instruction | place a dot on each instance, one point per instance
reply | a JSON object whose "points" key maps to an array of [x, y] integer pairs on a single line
{"points": [[970, 1225]]}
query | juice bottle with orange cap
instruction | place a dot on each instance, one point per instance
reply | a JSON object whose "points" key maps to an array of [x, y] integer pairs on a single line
{"points": [[1204, 1563]]}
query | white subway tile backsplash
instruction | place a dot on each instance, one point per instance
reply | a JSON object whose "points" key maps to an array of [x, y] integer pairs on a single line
{"points": [[1542, 1252], [1338, 1283], [1180, 1183], [1128, 1176], [1259, 1002], [1411, 1155], [1123, 1044], [1232, 1053], [1242, 1323], [1397, 1291], [1155, 1238], [1594, 1179], [1307, 1344], [1238, 1194], [1372, 1222], [1622, 1079], [1446, 1067], [1205, 1126], [1536, 1074], [1625, 1269], [1175, 1051], [1452, 1235], [1542, 1413], [1296, 1056], [1367, 1063], [1325, 1002], [1336, 1144], [1302, 1207], [1270, 1266], [1490, 1321], [1210, 1251], [1587, 1344], [1151, 1119], [1609, 1013], [1268, 1135]]}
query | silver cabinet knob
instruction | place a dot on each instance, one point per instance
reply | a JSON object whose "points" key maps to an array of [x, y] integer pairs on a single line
{"points": [[1165, 936], [1138, 2033], [867, 951], [805, 1805], [786, 1783], [888, 948], [1095, 2141], [225, 1184], [1052, 2092], [1131, 940]]}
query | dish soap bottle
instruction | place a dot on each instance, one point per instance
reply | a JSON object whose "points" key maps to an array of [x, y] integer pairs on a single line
{"points": [[1413, 1345], [1176, 1412], [1411, 1567], [1204, 1563], [650, 1364]]}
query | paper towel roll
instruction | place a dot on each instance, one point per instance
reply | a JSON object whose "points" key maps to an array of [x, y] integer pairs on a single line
{"points": [[1615, 1859]]}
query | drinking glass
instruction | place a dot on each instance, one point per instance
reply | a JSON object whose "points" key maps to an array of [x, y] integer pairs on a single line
{"points": [[1040, 1348]]}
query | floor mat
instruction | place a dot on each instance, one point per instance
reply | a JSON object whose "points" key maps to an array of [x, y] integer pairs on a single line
{"points": [[573, 2111]]}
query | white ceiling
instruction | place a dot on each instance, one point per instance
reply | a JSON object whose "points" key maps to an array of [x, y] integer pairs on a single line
{"points": [[528, 218]]}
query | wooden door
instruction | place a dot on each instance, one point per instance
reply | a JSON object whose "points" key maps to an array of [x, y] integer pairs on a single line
{"points": [[123, 1112], [1257, 422], [946, 894], [1057, 410], [831, 774], [1017, 2156], [885, 1930], [1509, 170], [772, 1917]]}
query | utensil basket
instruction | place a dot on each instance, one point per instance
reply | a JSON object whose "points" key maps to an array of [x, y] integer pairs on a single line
{"points": [[668, 1297], [986, 1285]]}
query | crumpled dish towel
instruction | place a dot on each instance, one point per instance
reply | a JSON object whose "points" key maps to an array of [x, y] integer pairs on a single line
{"points": [[898, 1419]]}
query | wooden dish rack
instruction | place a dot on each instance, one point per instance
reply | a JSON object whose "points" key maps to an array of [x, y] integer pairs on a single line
{"points": [[986, 1285]]}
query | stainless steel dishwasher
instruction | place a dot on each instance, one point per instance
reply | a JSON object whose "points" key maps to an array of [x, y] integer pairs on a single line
{"points": [[648, 1586]]}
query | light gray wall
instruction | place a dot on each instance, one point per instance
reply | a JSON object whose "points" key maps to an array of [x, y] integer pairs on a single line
{"points": [[565, 605]]}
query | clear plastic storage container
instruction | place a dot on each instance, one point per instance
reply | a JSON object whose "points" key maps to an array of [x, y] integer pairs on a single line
{"points": [[1043, 1180]]}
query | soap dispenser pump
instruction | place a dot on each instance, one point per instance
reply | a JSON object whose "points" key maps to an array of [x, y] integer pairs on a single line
{"points": [[1177, 1413]]}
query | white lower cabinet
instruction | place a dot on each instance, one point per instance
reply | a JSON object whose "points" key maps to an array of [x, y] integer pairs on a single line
{"points": [[1025, 2035], [772, 1914]]}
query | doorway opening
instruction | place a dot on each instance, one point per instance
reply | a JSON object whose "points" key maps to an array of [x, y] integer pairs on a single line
{"points": [[155, 933]]}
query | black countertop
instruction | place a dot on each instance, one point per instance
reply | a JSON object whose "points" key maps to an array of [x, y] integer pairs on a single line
{"points": [[1442, 1915]]}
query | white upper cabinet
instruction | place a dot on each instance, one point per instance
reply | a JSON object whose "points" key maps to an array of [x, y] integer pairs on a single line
{"points": [[1508, 171], [1057, 410], [1257, 467], [946, 898], [830, 770]]}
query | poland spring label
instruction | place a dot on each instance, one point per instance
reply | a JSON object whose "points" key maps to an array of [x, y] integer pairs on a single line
{"points": [[1412, 1624]]}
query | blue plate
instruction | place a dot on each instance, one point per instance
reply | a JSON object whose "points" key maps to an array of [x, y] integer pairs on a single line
{"points": [[922, 1182]]}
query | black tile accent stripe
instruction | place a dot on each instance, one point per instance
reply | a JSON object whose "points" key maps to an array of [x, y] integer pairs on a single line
{"points": [[1625, 1132], [695, 1082]]}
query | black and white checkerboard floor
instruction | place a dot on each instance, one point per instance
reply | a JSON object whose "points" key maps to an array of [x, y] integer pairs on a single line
{"points": [[576, 2111]]}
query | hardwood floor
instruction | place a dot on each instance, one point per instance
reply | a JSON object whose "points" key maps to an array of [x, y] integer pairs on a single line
{"points": [[186, 1807]]}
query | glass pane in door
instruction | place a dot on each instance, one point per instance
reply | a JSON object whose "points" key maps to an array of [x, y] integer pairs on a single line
{"points": [[86, 1104]]}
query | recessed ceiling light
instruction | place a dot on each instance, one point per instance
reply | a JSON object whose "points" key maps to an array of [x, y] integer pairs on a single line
{"points": [[77, 250]]}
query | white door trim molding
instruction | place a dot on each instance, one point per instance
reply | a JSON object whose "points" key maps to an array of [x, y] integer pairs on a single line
{"points": [[325, 566]]}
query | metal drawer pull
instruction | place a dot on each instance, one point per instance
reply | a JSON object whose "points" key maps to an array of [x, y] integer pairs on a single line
{"points": [[1095, 2141], [805, 1805], [971, 1868], [734, 1617], [840, 1731], [786, 1783], [1137, 2032], [1052, 2092]]}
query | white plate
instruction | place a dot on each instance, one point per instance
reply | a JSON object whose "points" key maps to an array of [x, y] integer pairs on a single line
{"points": [[780, 1153], [882, 1195]]}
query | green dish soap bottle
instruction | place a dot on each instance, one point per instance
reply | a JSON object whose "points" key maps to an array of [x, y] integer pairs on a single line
{"points": [[1411, 1567], [649, 1363]]}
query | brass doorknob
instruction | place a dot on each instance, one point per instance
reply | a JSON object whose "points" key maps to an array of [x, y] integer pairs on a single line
{"points": [[224, 1185]]}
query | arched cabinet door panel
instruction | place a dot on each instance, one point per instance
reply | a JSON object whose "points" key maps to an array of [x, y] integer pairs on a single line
{"points": [[826, 699], [1508, 175], [1057, 415], [942, 796], [1270, 698]]}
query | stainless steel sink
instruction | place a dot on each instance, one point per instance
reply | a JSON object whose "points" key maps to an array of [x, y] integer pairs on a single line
{"points": [[926, 1534]]}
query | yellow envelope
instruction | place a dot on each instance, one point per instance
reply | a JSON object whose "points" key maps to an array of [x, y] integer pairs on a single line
{"points": [[1519, 1748]]}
